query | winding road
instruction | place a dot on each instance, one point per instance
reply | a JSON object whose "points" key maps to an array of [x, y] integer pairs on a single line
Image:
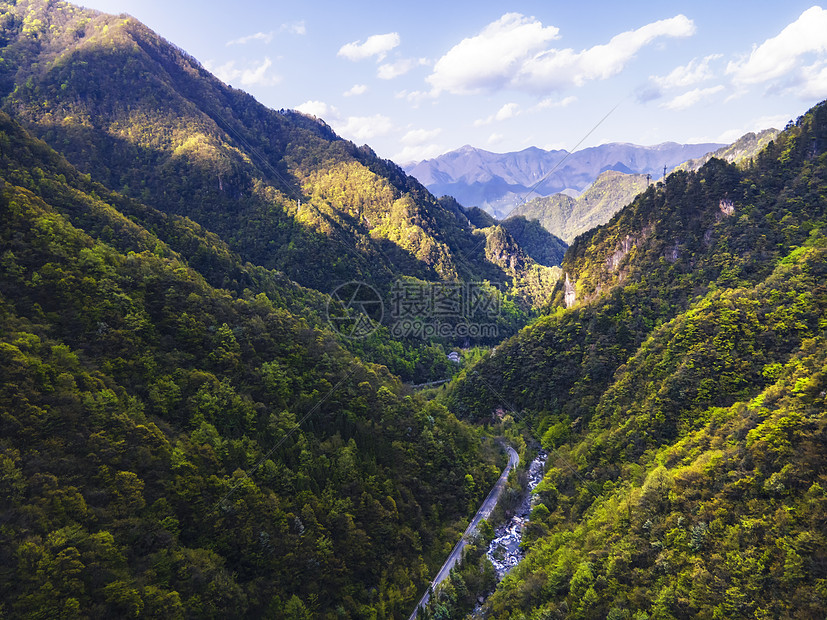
{"points": [[483, 513]]}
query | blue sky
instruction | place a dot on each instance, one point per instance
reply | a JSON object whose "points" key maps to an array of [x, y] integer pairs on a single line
{"points": [[417, 79]]}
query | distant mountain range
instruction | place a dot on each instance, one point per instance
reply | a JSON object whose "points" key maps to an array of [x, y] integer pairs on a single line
{"points": [[567, 216], [497, 182]]}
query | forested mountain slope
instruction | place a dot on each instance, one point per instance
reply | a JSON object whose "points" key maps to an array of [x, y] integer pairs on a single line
{"points": [[683, 395], [147, 120], [743, 149], [536, 240], [173, 449], [721, 227], [567, 217], [183, 435]]}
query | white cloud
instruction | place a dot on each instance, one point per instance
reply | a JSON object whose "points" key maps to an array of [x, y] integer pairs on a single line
{"points": [[418, 152], [389, 71], [778, 121], [736, 94], [364, 127], [319, 109], [258, 75], [815, 81], [603, 61], [352, 127], [727, 137], [783, 54], [509, 110], [295, 28], [552, 102], [513, 52], [420, 136], [490, 60], [415, 97], [692, 97], [255, 75], [695, 72], [356, 89], [495, 138], [264, 37], [375, 45]]}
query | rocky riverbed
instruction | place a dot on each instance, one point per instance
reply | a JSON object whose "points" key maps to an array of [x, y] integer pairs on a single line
{"points": [[504, 551]]}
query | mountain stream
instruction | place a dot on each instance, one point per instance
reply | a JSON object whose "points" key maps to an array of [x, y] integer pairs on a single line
{"points": [[504, 551]]}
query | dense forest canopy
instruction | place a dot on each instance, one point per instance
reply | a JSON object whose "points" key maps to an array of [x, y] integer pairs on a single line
{"points": [[680, 382], [184, 433], [171, 448]]}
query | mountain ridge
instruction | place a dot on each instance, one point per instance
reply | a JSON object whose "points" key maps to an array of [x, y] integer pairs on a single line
{"points": [[743, 149], [281, 188], [495, 181]]}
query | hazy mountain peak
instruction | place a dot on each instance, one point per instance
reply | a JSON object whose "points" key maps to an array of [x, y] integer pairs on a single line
{"points": [[497, 182]]}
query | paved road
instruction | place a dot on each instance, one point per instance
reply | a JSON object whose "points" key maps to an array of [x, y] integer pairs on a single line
{"points": [[483, 513]]}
